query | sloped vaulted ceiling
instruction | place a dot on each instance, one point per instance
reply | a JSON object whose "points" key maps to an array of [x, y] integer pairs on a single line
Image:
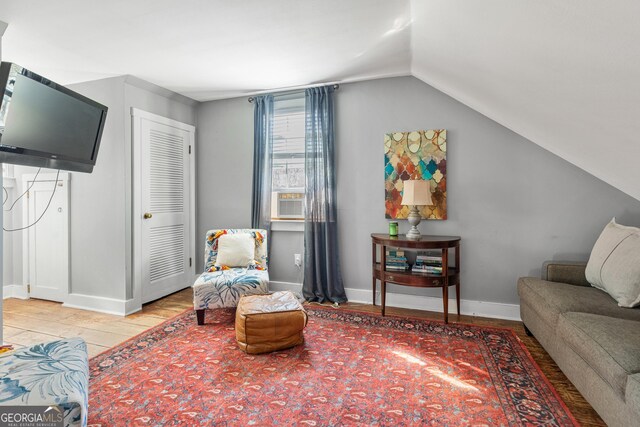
{"points": [[211, 49], [564, 74]]}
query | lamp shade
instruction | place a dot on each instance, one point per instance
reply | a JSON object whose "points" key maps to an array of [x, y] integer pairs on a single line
{"points": [[416, 193]]}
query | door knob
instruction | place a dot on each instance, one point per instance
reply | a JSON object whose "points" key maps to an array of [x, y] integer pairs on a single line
{"points": [[147, 215]]}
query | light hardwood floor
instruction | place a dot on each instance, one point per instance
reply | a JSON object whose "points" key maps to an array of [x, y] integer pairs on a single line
{"points": [[33, 321]]}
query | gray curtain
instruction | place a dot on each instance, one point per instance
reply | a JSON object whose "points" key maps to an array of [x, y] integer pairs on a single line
{"points": [[262, 155], [322, 278]]}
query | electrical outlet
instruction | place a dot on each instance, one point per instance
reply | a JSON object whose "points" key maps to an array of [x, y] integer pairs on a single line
{"points": [[297, 260]]}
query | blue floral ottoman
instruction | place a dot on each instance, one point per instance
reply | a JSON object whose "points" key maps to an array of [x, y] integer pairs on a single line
{"points": [[54, 373]]}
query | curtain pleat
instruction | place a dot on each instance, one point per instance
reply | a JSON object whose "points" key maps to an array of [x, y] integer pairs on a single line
{"points": [[322, 277], [262, 159]]}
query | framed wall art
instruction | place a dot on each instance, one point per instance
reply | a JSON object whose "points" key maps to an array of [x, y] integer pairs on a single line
{"points": [[419, 154]]}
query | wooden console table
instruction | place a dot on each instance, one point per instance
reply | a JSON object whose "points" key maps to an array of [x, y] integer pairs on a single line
{"points": [[450, 276]]}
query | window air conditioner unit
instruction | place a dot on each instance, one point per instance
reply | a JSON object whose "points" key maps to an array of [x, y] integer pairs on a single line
{"points": [[287, 205]]}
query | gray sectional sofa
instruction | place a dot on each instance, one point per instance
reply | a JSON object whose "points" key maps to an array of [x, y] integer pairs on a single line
{"points": [[594, 342]]}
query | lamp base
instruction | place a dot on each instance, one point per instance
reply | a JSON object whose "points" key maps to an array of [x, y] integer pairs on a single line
{"points": [[414, 219]]}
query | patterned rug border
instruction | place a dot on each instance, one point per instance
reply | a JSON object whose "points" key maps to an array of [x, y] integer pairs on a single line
{"points": [[182, 319], [416, 318]]}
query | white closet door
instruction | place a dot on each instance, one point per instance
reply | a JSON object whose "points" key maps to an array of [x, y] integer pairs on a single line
{"points": [[165, 209], [47, 241]]}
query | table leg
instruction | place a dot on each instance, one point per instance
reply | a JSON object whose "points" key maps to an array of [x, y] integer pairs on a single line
{"points": [[374, 290], [373, 273], [445, 288], [458, 277], [383, 294], [383, 283], [445, 302]]}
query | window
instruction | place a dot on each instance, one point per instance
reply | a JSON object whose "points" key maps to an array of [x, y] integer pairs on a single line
{"points": [[287, 173]]}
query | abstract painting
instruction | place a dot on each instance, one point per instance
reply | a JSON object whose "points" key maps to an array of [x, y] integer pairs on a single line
{"points": [[415, 155]]}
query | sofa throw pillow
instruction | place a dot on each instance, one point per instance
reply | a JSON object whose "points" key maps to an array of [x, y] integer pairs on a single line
{"points": [[614, 264], [236, 250]]}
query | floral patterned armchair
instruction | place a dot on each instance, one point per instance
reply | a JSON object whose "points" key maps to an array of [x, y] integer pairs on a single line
{"points": [[55, 373], [223, 286]]}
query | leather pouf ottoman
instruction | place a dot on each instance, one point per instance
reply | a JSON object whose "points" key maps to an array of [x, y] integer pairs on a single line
{"points": [[267, 323]]}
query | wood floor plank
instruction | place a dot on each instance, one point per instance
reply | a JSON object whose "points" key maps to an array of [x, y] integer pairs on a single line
{"points": [[95, 350], [144, 320], [28, 338], [58, 329], [9, 331], [164, 313]]}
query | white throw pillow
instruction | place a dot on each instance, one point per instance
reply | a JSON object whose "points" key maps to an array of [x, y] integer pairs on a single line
{"points": [[614, 264], [236, 250]]}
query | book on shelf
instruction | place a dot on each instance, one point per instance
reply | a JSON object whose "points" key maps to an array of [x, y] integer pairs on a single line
{"points": [[397, 268], [428, 263], [394, 252], [426, 270], [426, 267], [432, 263], [429, 258], [397, 264]]}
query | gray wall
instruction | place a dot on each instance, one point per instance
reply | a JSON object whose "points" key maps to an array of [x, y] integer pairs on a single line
{"points": [[153, 99], [100, 232], [224, 167], [101, 202], [98, 203], [224, 176], [513, 203]]}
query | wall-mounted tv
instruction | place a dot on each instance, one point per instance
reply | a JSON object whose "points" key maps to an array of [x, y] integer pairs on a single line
{"points": [[45, 124]]}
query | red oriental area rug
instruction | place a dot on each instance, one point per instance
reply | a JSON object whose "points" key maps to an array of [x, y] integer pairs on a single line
{"points": [[353, 369]]}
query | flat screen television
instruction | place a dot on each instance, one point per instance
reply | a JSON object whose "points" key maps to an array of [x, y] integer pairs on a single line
{"points": [[45, 124]]}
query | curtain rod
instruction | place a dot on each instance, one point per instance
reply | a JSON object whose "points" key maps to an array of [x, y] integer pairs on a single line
{"points": [[335, 87]]}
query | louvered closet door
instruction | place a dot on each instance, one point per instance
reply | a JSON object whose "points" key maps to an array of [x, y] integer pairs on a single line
{"points": [[165, 209]]}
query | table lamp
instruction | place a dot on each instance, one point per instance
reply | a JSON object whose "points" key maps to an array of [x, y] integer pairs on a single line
{"points": [[416, 193]]}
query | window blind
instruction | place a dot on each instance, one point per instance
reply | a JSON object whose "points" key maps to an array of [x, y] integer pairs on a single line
{"points": [[288, 143]]}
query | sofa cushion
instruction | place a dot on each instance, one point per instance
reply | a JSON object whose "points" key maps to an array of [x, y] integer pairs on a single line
{"points": [[570, 272], [608, 345], [614, 264], [633, 392], [550, 299]]}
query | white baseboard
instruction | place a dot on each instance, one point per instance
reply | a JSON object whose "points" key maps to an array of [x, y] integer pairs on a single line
{"points": [[14, 291], [468, 307], [131, 306], [101, 304]]}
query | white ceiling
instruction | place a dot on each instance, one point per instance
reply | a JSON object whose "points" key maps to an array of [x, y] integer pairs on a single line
{"points": [[210, 49], [564, 74]]}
